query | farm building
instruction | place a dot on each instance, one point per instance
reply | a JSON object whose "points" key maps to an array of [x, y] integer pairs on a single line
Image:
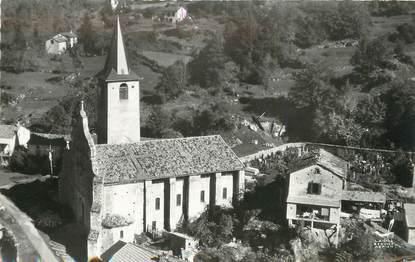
{"points": [[60, 43], [7, 143], [121, 185]]}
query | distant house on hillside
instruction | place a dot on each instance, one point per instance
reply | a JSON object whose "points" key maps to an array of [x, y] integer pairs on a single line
{"points": [[170, 14], [7, 142], [59, 43]]}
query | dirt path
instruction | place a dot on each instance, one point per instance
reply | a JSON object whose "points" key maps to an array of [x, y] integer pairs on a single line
{"points": [[19, 222]]}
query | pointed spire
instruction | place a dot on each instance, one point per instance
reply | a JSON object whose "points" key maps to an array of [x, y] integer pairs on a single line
{"points": [[116, 58]]}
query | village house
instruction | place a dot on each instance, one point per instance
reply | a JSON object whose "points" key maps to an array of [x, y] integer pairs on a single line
{"points": [[315, 189], [120, 186], [318, 193], [60, 43], [7, 143]]}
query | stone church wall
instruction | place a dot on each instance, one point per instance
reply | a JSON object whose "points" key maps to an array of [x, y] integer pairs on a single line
{"points": [[197, 184], [154, 189]]}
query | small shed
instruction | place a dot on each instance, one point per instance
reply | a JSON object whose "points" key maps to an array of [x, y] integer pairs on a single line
{"points": [[182, 244]]}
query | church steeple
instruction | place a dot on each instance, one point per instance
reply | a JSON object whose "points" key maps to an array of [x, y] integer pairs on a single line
{"points": [[116, 65], [118, 96]]}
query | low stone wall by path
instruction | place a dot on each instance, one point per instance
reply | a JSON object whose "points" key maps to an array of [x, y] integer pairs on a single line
{"points": [[304, 146]]}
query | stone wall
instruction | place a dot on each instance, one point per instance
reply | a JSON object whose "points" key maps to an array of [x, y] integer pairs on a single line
{"points": [[331, 185]]}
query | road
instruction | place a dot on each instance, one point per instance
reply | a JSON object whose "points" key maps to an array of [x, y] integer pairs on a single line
{"points": [[26, 235]]}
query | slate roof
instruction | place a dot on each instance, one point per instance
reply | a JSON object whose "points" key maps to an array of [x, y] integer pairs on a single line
{"points": [[325, 159], [362, 196], [409, 214], [7, 131], [155, 159], [126, 252]]}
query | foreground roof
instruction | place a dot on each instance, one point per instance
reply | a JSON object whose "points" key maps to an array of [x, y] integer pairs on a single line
{"points": [[325, 159], [362, 196], [126, 252], [409, 214], [155, 159], [7, 131]]}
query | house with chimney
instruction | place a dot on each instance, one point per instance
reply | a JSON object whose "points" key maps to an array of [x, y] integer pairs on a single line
{"points": [[120, 185]]}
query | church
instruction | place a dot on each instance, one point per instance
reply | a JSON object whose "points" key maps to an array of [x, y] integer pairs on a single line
{"points": [[120, 185]]}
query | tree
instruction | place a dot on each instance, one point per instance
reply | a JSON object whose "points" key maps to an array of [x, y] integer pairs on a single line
{"points": [[371, 60], [87, 35], [158, 122], [208, 68], [400, 116], [370, 113], [173, 81]]}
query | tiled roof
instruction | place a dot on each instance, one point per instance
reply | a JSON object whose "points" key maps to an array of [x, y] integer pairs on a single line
{"points": [[313, 200], [409, 214], [325, 159], [7, 131], [126, 252], [154, 159], [362, 196]]}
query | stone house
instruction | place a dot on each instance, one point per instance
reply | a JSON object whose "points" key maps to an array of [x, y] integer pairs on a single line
{"points": [[120, 186], [315, 190], [60, 43], [7, 143], [318, 193]]}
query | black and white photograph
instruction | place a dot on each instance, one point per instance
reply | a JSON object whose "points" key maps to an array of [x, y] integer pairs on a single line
{"points": [[207, 131]]}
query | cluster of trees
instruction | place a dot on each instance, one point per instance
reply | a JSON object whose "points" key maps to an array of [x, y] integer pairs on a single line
{"points": [[210, 120], [330, 108], [263, 237]]}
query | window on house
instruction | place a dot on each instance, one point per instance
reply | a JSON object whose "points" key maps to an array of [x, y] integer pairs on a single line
{"points": [[154, 225], [202, 196], [178, 200], [157, 203], [121, 234], [314, 188], [224, 193], [123, 92]]}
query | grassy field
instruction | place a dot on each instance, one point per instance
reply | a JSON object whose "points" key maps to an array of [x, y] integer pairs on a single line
{"points": [[166, 59]]}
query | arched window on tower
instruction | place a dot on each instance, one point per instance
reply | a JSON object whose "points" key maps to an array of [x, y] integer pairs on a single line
{"points": [[123, 91]]}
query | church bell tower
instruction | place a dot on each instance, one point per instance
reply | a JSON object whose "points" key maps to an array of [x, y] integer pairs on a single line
{"points": [[118, 97]]}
